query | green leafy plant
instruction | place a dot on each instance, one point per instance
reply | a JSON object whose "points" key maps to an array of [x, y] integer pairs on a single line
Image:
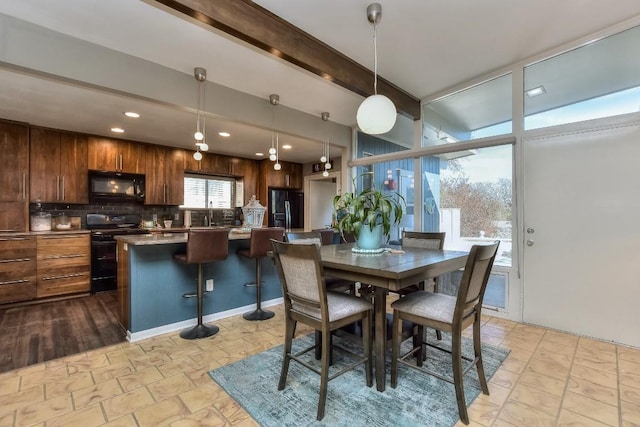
{"points": [[369, 207]]}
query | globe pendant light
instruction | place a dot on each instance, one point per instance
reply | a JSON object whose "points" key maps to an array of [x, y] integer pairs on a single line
{"points": [[273, 151], [376, 114], [200, 74]]}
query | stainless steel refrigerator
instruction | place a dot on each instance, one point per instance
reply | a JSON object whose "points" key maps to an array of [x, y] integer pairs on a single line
{"points": [[286, 208]]}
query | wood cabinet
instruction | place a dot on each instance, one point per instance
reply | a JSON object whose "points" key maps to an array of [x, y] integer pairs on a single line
{"points": [[58, 162], [63, 264], [14, 176], [116, 155], [165, 176], [247, 169], [17, 268], [289, 176]]}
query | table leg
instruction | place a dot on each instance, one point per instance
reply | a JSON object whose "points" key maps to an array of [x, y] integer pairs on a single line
{"points": [[380, 310]]}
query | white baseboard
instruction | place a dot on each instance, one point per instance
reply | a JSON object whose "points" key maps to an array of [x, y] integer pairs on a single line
{"points": [[172, 327]]}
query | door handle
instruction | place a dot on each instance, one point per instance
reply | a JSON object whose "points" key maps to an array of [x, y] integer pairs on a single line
{"points": [[530, 242]]}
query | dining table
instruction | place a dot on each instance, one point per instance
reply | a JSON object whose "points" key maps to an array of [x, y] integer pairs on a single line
{"points": [[390, 270]]}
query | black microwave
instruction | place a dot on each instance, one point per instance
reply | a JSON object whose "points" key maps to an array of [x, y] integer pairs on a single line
{"points": [[116, 187]]}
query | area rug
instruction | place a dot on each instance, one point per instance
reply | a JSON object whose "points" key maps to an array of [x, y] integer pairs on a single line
{"points": [[418, 400]]}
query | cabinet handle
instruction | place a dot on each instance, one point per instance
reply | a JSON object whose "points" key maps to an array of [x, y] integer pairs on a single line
{"points": [[4, 261], [64, 276], [116, 159], [66, 236], [24, 186], [164, 193], [57, 187], [12, 239], [63, 256], [121, 165], [14, 282], [62, 187]]}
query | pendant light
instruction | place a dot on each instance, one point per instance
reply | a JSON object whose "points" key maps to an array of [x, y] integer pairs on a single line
{"points": [[200, 74], [325, 149], [376, 114], [273, 151]]}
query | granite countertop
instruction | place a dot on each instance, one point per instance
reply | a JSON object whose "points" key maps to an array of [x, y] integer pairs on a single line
{"points": [[170, 237], [44, 233]]}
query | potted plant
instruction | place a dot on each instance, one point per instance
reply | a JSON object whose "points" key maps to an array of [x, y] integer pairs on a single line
{"points": [[368, 215]]}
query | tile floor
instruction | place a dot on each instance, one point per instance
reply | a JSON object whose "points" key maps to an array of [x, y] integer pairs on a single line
{"points": [[549, 378]]}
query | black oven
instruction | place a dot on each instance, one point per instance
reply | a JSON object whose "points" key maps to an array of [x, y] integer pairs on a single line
{"points": [[104, 268]]}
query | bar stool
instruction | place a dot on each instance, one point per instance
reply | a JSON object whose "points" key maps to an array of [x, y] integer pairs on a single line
{"points": [[258, 248], [203, 246]]}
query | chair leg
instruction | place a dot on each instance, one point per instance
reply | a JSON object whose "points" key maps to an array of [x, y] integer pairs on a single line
{"points": [[324, 373], [477, 349], [435, 291], [258, 313], [395, 347], [421, 355], [318, 349], [456, 361], [290, 329], [367, 345], [200, 330]]}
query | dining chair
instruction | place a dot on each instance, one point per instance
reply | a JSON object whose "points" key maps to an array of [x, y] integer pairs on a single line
{"points": [[306, 300], [424, 240], [450, 314]]}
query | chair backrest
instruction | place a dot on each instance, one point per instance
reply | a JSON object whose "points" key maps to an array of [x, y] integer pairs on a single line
{"points": [[207, 245], [303, 238], [326, 235], [260, 240], [300, 270], [474, 279], [414, 239]]}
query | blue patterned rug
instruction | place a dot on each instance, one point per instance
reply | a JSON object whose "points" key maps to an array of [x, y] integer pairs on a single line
{"points": [[418, 400]]}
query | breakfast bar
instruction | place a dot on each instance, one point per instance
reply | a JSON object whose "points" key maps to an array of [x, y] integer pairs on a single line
{"points": [[151, 284]]}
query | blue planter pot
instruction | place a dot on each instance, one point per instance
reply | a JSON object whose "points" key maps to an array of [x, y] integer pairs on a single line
{"points": [[368, 239]]}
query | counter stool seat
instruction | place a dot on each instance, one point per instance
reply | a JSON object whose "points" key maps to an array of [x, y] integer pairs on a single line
{"points": [[259, 246], [203, 246]]}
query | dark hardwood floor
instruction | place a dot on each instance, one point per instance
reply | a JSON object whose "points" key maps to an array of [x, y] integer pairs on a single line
{"points": [[36, 333]]}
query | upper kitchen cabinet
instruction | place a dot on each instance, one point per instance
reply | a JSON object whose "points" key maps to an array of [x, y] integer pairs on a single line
{"points": [[115, 155], [289, 176], [165, 175], [14, 176], [247, 169], [58, 162], [14, 162]]}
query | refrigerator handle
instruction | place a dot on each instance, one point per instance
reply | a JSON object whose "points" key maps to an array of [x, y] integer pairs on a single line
{"points": [[287, 215]]}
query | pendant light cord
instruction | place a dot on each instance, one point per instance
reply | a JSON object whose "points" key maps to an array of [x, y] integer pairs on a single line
{"points": [[375, 61]]}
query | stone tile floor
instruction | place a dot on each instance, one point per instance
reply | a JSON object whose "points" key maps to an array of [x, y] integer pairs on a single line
{"points": [[549, 378]]}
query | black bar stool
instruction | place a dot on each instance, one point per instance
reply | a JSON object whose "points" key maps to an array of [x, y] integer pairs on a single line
{"points": [[203, 246], [258, 248]]}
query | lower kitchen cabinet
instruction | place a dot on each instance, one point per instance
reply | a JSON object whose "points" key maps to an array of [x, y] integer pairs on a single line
{"points": [[64, 264], [17, 268]]}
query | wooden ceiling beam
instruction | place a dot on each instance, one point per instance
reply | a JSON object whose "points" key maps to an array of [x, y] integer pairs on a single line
{"points": [[259, 27]]}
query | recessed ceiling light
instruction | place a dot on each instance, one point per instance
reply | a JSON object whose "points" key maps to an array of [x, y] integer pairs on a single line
{"points": [[259, 154], [131, 114], [117, 130], [224, 134], [286, 147], [535, 91]]}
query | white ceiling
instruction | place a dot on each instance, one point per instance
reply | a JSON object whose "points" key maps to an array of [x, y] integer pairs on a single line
{"points": [[424, 47]]}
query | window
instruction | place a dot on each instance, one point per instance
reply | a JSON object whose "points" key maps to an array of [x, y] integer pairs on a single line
{"points": [[601, 79], [201, 192]]}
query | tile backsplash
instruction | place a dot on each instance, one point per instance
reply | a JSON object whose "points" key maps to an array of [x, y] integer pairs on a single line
{"points": [[219, 216]]}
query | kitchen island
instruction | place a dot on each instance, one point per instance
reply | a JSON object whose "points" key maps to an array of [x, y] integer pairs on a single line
{"points": [[151, 284]]}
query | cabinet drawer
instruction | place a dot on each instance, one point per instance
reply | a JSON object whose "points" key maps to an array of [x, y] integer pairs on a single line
{"points": [[63, 251], [14, 247], [19, 289], [17, 268], [63, 281]]}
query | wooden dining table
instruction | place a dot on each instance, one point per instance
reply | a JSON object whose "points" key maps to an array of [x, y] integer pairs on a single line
{"points": [[391, 270]]}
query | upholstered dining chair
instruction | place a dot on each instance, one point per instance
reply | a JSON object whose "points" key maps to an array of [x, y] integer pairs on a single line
{"points": [[306, 300], [450, 314], [424, 240]]}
